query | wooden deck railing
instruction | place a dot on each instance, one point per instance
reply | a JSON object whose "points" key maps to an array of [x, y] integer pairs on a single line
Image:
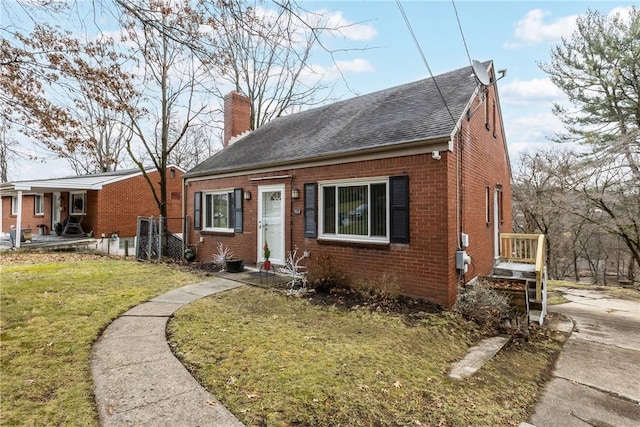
{"points": [[526, 249]]}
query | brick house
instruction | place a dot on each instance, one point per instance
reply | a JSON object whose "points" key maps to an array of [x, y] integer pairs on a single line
{"points": [[106, 203], [399, 181]]}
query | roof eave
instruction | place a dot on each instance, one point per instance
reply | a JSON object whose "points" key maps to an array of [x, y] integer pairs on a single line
{"points": [[443, 139]]}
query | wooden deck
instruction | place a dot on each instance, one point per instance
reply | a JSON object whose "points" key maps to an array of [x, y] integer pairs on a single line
{"points": [[522, 259]]}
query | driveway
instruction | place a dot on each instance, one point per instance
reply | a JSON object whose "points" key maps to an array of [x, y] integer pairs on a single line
{"points": [[596, 380]]}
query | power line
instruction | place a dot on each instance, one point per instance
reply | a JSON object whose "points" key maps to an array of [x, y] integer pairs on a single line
{"points": [[466, 48], [424, 59]]}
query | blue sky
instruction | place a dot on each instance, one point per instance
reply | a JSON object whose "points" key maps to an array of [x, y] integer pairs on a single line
{"points": [[516, 35]]}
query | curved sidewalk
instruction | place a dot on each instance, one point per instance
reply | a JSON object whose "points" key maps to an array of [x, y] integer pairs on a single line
{"points": [[137, 379]]}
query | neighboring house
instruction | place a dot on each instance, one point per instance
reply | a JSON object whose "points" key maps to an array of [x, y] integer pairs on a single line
{"points": [[103, 203], [395, 182]]}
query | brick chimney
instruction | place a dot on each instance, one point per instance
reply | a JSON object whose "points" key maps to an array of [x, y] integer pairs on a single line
{"points": [[237, 115]]}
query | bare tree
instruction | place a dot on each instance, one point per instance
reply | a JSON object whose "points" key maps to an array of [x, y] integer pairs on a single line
{"points": [[542, 204], [169, 97], [611, 201], [199, 143], [598, 68], [46, 73], [104, 134], [7, 153], [265, 54]]}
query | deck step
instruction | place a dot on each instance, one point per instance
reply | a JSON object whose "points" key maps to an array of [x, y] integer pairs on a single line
{"points": [[508, 273], [514, 270], [533, 305]]}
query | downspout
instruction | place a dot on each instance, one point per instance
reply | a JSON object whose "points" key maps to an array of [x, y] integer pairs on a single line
{"points": [[457, 135], [19, 220], [2, 214], [183, 212], [290, 216]]}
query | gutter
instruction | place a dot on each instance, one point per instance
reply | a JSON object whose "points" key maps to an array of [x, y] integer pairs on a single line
{"points": [[444, 141]]}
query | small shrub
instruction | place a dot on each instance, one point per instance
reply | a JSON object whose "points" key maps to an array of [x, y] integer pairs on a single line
{"points": [[324, 275], [485, 306], [383, 290], [220, 258], [293, 268]]}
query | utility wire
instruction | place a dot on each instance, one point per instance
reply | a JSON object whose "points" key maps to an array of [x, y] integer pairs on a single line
{"points": [[466, 48], [424, 59]]}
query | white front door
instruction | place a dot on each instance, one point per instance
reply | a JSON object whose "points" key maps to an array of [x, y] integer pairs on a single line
{"points": [[271, 222], [55, 210]]}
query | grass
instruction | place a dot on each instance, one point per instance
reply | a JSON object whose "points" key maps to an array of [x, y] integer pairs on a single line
{"points": [[281, 361], [53, 307]]}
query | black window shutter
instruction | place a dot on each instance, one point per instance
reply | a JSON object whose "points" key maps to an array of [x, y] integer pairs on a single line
{"points": [[197, 210], [237, 203], [231, 209], [310, 210], [399, 204]]}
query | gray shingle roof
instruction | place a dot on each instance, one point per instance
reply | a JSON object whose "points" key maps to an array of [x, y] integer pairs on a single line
{"points": [[413, 111]]}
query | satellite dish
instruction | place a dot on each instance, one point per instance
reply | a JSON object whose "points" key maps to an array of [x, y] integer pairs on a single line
{"points": [[481, 73]]}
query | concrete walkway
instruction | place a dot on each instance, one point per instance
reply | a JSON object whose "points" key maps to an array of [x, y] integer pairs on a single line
{"points": [[477, 357], [137, 379], [596, 380]]}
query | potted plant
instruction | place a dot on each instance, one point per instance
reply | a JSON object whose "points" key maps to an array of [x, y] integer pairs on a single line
{"points": [[189, 255], [266, 252], [234, 265]]}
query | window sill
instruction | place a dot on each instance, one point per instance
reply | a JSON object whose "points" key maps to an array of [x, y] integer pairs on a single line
{"points": [[217, 232], [354, 243]]}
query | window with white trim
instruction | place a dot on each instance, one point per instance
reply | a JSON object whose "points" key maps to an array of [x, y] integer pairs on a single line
{"points": [[38, 204], [14, 205], [218, 211], [355, 210]]}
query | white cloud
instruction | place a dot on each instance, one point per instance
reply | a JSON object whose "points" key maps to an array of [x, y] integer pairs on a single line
{"points": [[525, 92], [530, 131], [532, 29], [357, 65], [336, 71], [350, 30], [623, 12]]}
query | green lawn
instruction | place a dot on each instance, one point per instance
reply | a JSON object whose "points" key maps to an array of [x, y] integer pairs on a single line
{"points": [[271, 359], [53, 307], [280, 361]]}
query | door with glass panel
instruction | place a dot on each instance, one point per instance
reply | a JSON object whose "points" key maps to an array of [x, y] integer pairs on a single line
{"points": [[271, 222]]}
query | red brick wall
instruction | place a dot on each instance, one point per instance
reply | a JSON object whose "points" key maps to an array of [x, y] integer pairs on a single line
{"points": [[113, 208], [422, 266], [29, 218], [425, 267], [484, 164], [119, 204], [237, 115]]}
